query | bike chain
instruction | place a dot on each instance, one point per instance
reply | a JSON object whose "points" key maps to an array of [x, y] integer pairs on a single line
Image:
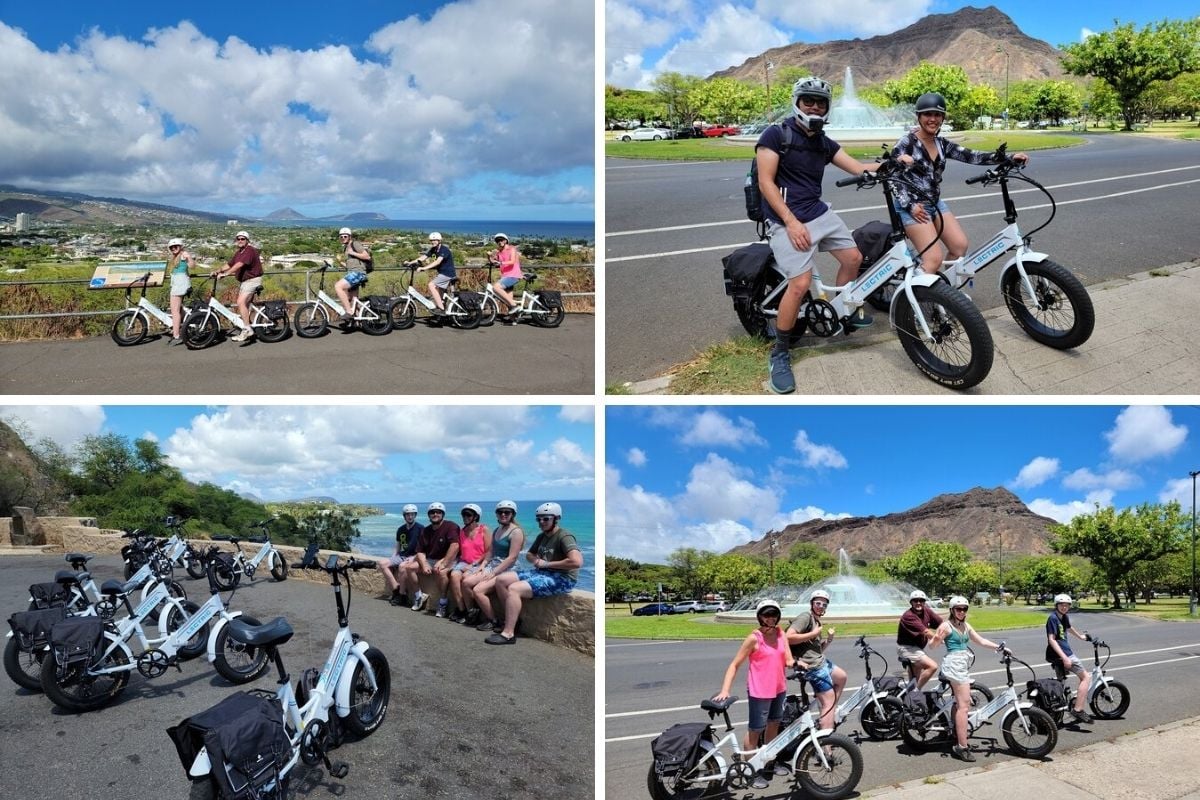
{"points": [[821, 318]]}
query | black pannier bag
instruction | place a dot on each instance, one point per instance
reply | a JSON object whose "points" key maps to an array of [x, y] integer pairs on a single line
{"points": [[47, 595], [31, 629], [76, 639], [246, 741], [872, 242], [888, 683], [677, 749], [471, 301], [379, 303], [743, 266], [551, 299], [275, 309], [1048, 693]]}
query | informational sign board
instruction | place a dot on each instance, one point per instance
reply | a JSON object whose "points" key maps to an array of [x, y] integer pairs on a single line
{"points": [[120, 275]]}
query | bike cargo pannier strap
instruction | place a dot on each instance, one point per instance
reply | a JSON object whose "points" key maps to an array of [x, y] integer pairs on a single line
{"points": [[193, 733], [471, 301], [744, 265], [379, 303], [275, 309], [678, 747], [76, 639], [32, 628], [551, 299], [46, 595]]}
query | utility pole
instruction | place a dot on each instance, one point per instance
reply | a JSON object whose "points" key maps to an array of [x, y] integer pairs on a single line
{"points": [[774, 546], [1192, 593], [767, 67], [1002, 49]]}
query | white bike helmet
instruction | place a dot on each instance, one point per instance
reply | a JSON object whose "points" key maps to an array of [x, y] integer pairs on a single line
{"points": [[817, 88], [435, 236], [1062, 598], [917, 594], [175, 242], [435, 507], [474, 509], [765, 605], [507, 504], [242, 235], [345, 232], [958, 601], [409, 509], [553, 509], [500, 237], [819, 594]]}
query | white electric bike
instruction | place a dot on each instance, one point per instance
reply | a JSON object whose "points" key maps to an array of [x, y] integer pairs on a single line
{"points": [[202, 326], [133, 324], [313, 315]]}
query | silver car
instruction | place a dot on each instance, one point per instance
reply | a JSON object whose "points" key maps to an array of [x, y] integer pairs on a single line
{"points": [[645, 135]]}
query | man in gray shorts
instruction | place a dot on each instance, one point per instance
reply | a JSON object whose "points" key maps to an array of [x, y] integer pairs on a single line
{"points": [[438, 257], [798, 223], [917, 626]]}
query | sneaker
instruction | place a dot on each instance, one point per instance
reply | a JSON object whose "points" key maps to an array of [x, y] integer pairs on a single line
{"points": [[473, 616], [760, 782], [1082, 716], [781, 769], [499, 638], [439, 312], [419, 601], [457, 618], [486, 625], [175, 341], [962, 753], [240, 336], [441, 609], [395, 598], [861, 319], [347, 324], [779, 363]]}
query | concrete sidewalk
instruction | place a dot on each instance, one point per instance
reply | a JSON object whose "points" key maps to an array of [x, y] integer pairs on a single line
{"points": [[1154, 764], [1146, 342]]}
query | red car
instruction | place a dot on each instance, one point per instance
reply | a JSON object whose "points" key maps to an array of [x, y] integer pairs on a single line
{"points": [[721, 130]]}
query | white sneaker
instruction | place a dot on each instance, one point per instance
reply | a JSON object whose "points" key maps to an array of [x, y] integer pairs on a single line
{"points": [[241, 336]]}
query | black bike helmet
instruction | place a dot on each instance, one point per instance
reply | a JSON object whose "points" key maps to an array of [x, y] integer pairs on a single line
{"points": [[931, 101]]}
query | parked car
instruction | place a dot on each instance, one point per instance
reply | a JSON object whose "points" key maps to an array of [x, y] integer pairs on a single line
{"points": [[686, 132], [716, 607], [694, 606], [654, 609], [645, 135], [722, 130]]}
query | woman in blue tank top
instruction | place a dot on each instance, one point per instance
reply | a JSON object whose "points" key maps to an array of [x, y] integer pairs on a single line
{"points": [[507, 542], [958, 635]]}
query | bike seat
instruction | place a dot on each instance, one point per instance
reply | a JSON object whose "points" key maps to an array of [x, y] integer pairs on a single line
{"points": [[454, 281], [114, 586], [255, 539], [272, 633], [77, 558], [65, 577], [715, 707], [530, 276]]}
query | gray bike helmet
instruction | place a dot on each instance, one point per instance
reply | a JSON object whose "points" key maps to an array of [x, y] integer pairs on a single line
{"points": [[474, 509], [931, 101], [817, 88], [435, 507]]}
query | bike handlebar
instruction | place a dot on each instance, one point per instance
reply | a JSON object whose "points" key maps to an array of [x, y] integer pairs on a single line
{"points": [[848, 181]]}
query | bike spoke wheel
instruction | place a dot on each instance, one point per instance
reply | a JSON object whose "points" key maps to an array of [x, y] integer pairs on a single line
{"points": [[980, 696], [194, 566], [200, 329], [548, 317], [959, 354], [672, 787], [403, 314], [915, 729], [129, 328], [223, 573], [490, 309], [310, 320], [279, 567], [1059, 314], [881, 719], [24, 666], [236, 662], [750, 309], [75, 690], [1110, 701], [464, 318], [368, 706], [376, 325], [276, 331], [1033, 738], [837, 776]]}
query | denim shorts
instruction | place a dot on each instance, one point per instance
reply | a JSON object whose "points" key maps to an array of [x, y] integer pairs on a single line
{"points": [[821, 677], [907, 218], [547, 583], [764, 710], [463, 567], [508, 283], [180, 284], [355, 279]]}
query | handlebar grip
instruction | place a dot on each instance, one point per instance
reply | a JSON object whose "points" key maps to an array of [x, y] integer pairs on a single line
{"points": [[978, 178], [848, 181]]}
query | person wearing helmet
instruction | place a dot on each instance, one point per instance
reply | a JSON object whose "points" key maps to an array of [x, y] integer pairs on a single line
{"points": [[179, 261], [407, 536], [508, 260], [929, 152], [958, 635], [808, 647], [246, 265], [507, 541], [798, 222], [358, 263], [474, 550], [1061, 657], [438, 257], [916, 629], [437, 547], [766, 681], [555, 558]]}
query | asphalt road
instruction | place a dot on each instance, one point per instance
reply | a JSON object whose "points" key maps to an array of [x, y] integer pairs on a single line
{"points": [[653, 685], [466, 719], [424, 360], [1123, 208]]}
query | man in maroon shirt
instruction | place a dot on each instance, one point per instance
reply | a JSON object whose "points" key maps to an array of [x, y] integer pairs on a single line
{"points": [[247, 267], [917, 626]]}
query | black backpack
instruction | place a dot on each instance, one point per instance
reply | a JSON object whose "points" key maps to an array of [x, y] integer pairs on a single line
{"points": [[755, 207]]}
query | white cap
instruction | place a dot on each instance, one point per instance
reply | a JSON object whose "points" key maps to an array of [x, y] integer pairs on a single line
{"points": [[240, 234], [435, 235], [175, 241], [500, 236], [345, 232]]}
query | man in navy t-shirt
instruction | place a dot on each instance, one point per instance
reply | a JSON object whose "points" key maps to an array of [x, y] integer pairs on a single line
{"points": [[1058, 652], [438, 257]]}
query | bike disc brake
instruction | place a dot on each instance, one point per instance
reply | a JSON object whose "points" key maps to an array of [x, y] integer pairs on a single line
{"points": [[152, 663], [821, 318], [740, 775]]}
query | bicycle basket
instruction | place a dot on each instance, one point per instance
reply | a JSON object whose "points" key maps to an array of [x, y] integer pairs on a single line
{"points": [[48, 595], [551, 299], [379, 303], [76, 639], [274, 309], [471, 301], [678, 748], [32, 628]]}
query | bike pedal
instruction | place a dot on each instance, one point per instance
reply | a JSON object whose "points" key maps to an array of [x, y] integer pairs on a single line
{"points": [[339, 769]]}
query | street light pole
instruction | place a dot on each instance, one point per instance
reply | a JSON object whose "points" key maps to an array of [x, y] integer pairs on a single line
{"points": [[1001, 48], [1192, 593], [773, 547], [767, 67]]}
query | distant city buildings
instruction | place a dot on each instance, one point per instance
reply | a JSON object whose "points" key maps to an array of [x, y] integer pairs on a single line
{"points": [[22, 222]]}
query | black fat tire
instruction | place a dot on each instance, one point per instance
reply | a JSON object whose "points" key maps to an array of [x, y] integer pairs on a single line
{"points": [[1068, 320], [489, 310], [206, 789], [881, 720], [961, 332], [24, 666], [464, 318], [1039, 742], [367, 708], [310, 320], [912, 730], [845, 771], [200, 329], [1110, 702], [251, 661], [377, 326], [660, 791], [129, 328], [277, 331], [194, 566], [980, 696], [403, 314], [749, 311], [79, 696], [176, 619], [279, 567], [551, 319], [223, 573]]}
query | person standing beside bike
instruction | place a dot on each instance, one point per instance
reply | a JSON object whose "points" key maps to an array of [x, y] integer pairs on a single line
{"points": [[246, 266], [766, 680], [929, 152], [508, 259], [798, 222], [916, 629], [358, 264], [179, 261], [958, 635], [808, 648], [438, 257], [1061, 657]]}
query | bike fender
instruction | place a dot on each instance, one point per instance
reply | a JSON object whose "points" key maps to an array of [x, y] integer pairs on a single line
{"points": [[1021, 705], [342, 693], [201, 766], [1029, 256], [219, 622], [924, 279]]}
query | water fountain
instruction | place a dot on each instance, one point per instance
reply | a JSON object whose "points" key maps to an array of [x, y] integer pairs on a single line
{"points": [[850, 597]]}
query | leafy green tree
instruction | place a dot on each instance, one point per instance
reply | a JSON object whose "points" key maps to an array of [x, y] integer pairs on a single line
{"points": [[1116, 542], [1054, 100], [1053, 574], [935, 567], [801, 573], [978, 576], [674, 91], [948, 80], [980, 100], [1130, 60], [733, 574], [723, 100], [685, 564], [329, 528], [631, 104], [104, 461]]}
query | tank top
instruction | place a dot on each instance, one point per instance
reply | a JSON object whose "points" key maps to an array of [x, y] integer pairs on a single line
{"points": [[502, 545], [471, 546], [958, 641], [765, 677]]}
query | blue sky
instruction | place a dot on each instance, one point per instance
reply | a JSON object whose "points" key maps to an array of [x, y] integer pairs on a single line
{"points": [[698, 37], [351, 453], [477, 109], [716, 477]]}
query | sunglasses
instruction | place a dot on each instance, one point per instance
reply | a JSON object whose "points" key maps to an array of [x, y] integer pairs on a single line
{"points": [[175, 247], [504, 511], [241, 239], [820, 603], [916, 601], [963, 609], [545, 519]]}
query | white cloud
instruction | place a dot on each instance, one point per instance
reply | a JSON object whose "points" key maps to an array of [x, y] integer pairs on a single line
{"points": [[638, 524], [1116, 479], [565, 459], [1179, 490], [63, 425], [711, 428], [584, 414], [627, 32], [1036, 472], [1144, 432], [717, 536], [1085, 33], [863, 17], [636, 457], [798, 516], [818, 455], [1065, 512], [728, 36], [719, 489]]}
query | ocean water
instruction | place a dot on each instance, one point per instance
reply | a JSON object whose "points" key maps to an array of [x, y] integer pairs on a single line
{"points": [[518, 229], [378, 533]]}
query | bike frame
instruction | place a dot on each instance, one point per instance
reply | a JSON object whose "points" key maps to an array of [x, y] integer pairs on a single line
{"points": [[527, 305], [240, 561], [144, 306], [979, 716], [362, 310], [131, 628]]}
